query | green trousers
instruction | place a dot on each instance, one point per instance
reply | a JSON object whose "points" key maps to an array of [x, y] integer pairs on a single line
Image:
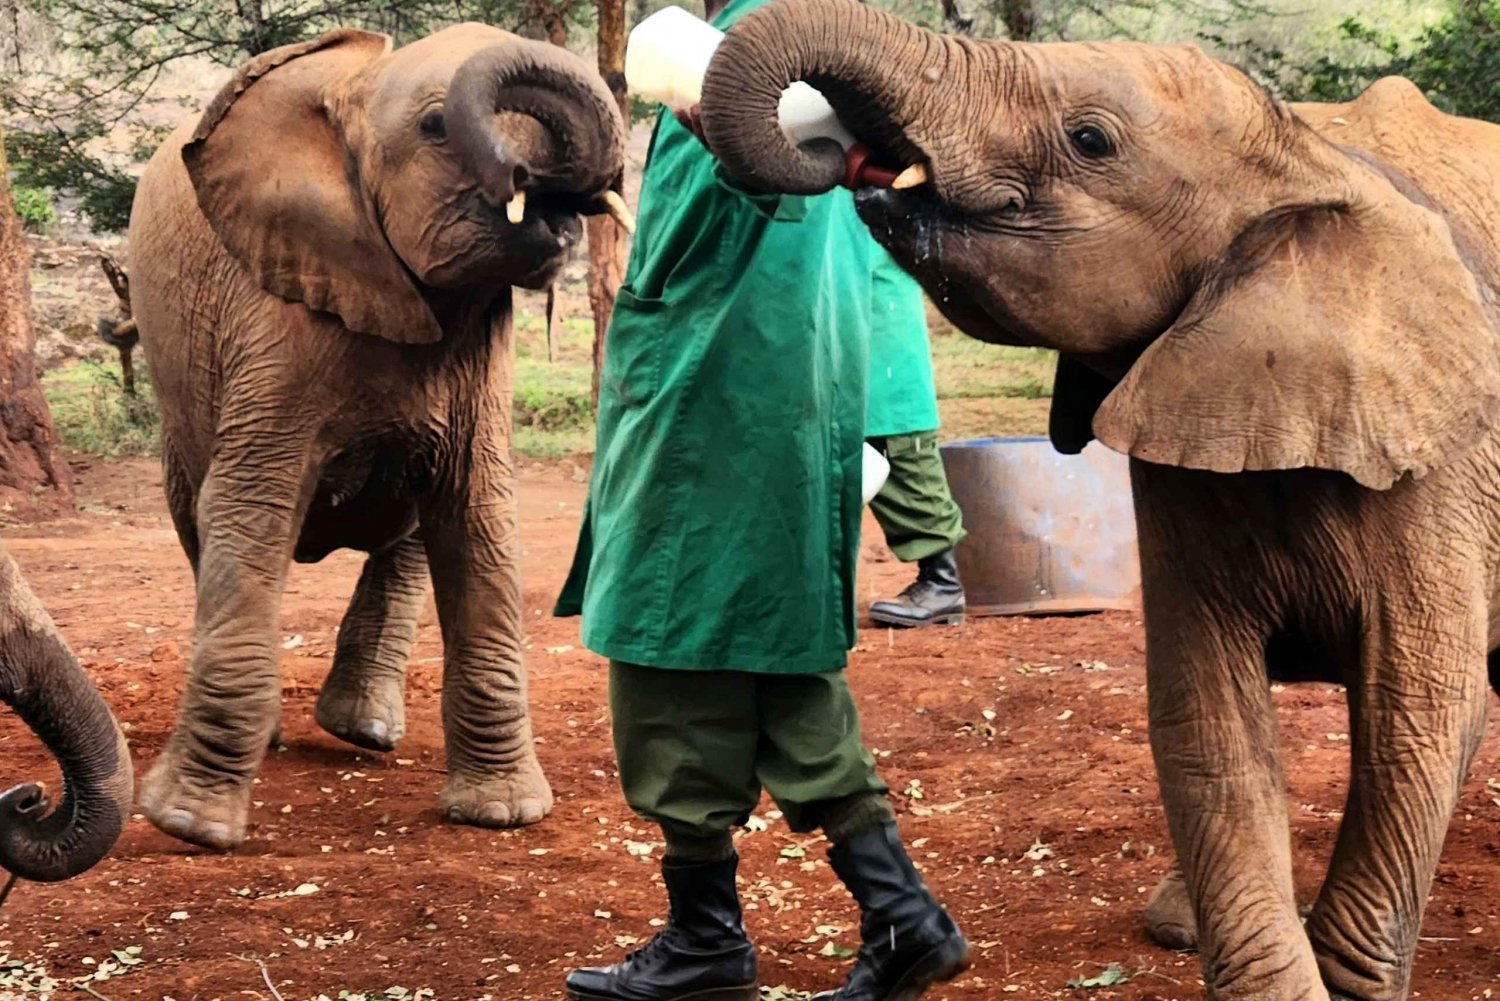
{"points": [[695, 748], [914, 508]]}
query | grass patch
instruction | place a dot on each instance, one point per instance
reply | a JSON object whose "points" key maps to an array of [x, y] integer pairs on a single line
{"points": [[94, 415], [988, 389], [982, 390]]}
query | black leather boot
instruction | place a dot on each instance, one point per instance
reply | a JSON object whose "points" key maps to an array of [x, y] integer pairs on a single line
{"points": [[702, 954], [936, 598], [908, 941]]}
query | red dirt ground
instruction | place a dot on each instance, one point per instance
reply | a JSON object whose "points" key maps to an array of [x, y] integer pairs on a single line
{"points": [[470, 914]]}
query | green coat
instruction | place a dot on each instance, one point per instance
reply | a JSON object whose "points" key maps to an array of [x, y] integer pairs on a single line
{"points": [[722, 523], [902, 397], [722, 526]]}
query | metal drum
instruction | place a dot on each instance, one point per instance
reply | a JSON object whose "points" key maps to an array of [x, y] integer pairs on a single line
{"points": [[1047, 532]]}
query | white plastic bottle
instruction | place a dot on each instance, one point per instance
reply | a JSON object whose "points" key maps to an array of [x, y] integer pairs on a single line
{"points": [[668, 53], [875, 469]]}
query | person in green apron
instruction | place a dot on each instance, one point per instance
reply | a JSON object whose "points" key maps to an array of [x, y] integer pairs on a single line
{"points": [[716, 562], [914, 508]]}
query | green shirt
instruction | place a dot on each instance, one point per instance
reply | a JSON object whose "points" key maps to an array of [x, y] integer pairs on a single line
{"points": [[902, 399]]}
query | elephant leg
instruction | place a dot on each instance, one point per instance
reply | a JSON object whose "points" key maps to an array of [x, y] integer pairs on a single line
{"points": [[1417, 715], [249, 511], [1214, 738], [182, 503], [1170, 920], [494, 779], [363, 700]]}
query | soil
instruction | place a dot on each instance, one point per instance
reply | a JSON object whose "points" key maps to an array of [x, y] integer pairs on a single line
{"points": [[1000, 738]]}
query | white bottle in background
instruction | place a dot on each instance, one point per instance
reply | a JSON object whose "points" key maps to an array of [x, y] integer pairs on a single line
{"points": [[875, 469], [668, 53]]}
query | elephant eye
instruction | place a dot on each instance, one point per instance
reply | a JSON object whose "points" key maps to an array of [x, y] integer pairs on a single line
{"points": [[1091, 141], [433, 126]]}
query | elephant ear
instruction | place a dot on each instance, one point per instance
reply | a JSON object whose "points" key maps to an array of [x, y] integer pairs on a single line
{"points": [[279, 187], [1348, 337]]}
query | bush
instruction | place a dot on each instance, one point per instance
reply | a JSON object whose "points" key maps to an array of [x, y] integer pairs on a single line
{"points": [[94, 415], [34, 208], [53, 161], [1456, 62]]}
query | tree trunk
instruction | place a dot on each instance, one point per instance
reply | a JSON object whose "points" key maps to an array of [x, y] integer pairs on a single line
{"points": [[33, 477], [1020, 19], [606, 239], [955, 18], [554, 18]]}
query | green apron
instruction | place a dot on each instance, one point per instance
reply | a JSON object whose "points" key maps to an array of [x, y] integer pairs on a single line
{"points": [[902, 398], [722, 525]]}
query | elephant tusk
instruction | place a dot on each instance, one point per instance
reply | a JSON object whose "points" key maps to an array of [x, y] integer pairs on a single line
{"points": [[515, 209], [618, 210], [911, 177]]}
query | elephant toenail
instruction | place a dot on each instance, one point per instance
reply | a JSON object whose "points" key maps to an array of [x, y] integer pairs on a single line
{"points": [[177, 823], [495, 815], [530, 811], [375, 730], [217, 836]]}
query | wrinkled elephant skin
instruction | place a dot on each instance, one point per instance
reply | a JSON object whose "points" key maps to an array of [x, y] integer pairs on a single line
{"points": [[1286, 316], [44, 684], [321, 270]]}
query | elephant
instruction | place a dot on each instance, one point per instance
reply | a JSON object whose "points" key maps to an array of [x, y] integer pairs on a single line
{"points": [[44, 684], [1286, 316], [321, 273]]}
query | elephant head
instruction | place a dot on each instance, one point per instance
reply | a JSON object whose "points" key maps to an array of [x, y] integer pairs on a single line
{"points": [[1229, 290], [42, 682], [377, 184]]}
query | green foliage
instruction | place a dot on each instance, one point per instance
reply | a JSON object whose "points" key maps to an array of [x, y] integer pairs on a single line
{"points": [[552, 397], [116, 50], [553, 414], [94, 415], [1455, 61], [58, 161], [34, 207]]}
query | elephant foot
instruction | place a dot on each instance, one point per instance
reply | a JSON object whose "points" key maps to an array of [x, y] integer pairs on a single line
{"points": [[1169, 914], [371, 715], [207, 815], [514, 799]]}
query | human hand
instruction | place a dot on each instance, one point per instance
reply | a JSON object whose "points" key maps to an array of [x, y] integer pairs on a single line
{"points": [[692, 120]]}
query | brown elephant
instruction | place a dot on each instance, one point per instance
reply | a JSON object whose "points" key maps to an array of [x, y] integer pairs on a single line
{"points": [[47, 688], [1286, 316], [320, 273]]}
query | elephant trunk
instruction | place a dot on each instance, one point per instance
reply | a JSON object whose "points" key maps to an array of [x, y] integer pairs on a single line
{"points": [[557, 89], [877, 71], [44, 684]]}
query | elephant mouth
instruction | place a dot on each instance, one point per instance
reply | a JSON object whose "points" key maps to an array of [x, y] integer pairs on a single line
{"points": [[544, 235], [907, 218]]}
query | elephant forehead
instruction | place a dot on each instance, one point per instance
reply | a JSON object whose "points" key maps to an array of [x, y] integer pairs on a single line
{"points": [[1137, 81], [433, 60]]}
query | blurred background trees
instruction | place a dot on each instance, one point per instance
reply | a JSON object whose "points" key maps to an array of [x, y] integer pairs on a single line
{"points": [[82, 82], [88, 89]]}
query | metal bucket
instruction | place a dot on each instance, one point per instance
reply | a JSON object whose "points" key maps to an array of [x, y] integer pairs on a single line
{"points": [[1047, 532]]}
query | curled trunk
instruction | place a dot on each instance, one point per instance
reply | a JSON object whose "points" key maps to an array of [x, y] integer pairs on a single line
{"points": [[878, 71], [552, 86], [48, 689]]}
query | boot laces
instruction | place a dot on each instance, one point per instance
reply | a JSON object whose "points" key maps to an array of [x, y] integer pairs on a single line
{"points": [[665, 939]]}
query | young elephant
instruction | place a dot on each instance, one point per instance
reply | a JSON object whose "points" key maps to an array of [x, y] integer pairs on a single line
{"points": [[320, 272], [47, 688], [1286, 316]]}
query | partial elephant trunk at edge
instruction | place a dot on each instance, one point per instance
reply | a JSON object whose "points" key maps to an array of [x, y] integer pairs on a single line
{"points": [[48, 689]]}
